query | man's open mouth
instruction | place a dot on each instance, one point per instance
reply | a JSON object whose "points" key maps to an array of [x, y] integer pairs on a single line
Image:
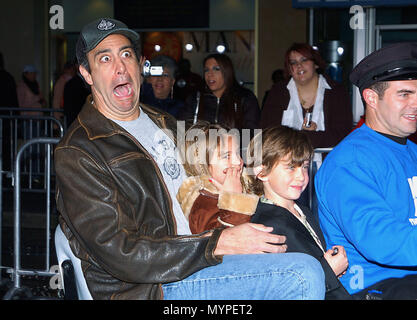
{"points": [[123, 90]]}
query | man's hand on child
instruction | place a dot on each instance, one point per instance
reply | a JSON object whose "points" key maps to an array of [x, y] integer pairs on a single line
{"points": [[250, 238]]}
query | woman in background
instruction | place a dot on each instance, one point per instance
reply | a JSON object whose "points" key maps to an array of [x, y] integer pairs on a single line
{"points": [[308, 90], [29, 94], [223, 100], [309, 101]]}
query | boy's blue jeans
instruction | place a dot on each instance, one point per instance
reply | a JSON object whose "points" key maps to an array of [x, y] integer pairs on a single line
{"points": [[281, 276]]}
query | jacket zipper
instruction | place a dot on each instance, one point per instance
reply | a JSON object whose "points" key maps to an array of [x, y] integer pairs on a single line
{"points": [[217, 111], [197, 107]]}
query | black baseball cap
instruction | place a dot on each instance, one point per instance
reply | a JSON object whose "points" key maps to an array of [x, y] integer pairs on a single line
{"points": [[393, 62], [94, 32]]}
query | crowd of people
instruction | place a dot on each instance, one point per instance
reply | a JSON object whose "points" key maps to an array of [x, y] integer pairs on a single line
{"points": [[68, 94], [154, 212]]}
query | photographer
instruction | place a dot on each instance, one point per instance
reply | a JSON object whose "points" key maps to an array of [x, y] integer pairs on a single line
{"points": [[157, 90]]}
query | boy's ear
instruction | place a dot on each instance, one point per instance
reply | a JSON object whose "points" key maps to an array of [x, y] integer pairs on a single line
{"points": [[257, 171]]}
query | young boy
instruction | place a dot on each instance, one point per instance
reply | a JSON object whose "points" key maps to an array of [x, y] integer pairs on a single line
{"points": [[279, 181]]}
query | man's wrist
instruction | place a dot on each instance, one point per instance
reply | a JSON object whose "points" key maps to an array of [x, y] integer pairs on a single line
{"points": [[212, 246]]}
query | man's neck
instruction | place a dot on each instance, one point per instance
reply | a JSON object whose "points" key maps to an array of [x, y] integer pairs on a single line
{"points": [[400, 140], [131, 114]]}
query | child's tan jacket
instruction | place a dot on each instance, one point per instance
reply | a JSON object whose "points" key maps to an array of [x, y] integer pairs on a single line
{"points": [[207, 208]]}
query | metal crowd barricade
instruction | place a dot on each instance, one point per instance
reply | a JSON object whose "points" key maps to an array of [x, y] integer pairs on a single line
{"points": [[17, 126], [310, 174], [15, 130], [24, 128], [17, 271]]}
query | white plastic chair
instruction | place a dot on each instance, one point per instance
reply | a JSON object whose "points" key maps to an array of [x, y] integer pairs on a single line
{"points": [[64, 252]]}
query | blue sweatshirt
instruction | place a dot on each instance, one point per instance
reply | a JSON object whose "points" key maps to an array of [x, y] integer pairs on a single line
{"points": [[367, 193]]}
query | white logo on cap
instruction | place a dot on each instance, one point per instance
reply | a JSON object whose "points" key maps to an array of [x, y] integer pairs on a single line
{"points": [[105, 25]]}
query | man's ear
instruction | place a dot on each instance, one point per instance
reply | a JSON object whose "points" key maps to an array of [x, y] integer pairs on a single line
{"points": [[258, 172], [86, 75], [142, 60], [371, 97]]}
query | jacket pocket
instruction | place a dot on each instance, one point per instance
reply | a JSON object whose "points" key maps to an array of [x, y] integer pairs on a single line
{"points": [[127, 157]]}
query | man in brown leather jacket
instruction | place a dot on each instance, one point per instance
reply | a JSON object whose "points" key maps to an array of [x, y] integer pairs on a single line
{"points": [[116, 206]]}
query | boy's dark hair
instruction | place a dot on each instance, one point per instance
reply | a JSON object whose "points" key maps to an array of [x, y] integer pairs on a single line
{"points": [[278, 143]]}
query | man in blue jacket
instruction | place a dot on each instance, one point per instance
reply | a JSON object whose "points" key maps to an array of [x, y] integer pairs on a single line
{"points": [[367, 186]]}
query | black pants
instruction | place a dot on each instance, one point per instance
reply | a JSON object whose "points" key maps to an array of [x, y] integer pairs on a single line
{"points": [[391, 289]]}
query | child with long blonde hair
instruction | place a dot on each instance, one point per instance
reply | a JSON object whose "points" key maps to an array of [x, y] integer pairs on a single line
{"points": [[214, 194]]}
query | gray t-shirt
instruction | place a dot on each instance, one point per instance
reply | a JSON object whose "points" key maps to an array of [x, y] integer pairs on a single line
{"points": [[165, 154]]}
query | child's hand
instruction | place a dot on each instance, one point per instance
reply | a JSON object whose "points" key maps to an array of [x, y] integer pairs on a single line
{"points": [[337, 262], [232, 181]]}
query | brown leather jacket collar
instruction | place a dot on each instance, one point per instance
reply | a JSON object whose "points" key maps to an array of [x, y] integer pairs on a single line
{"points": [[98, 126]]}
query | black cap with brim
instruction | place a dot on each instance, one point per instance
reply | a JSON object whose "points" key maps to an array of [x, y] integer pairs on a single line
{"points": [[390, 63], [93, 33]]}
